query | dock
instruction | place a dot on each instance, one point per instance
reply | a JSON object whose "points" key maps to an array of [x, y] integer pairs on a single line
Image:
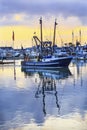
{"points": [[6, 62]]}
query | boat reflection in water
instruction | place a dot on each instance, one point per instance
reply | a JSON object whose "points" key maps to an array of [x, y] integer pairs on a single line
{"points": [[47, 84], [43, 99], [59, 73]]}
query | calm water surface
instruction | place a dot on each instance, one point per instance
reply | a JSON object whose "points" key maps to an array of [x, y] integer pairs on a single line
{"points": [[49, 100]]}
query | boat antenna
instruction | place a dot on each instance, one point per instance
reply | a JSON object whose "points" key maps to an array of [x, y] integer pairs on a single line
{"points": [[54, 34], [41, 31]]}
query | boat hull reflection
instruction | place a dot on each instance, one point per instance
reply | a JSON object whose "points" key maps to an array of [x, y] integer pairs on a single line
{"points": [[59, 73]]}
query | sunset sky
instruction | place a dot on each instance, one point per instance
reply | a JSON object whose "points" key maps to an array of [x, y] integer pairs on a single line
{"points": [[22, 17]]}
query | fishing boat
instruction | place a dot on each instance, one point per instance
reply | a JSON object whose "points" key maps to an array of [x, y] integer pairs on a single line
{"points": [[47, 63], [46, 57]]}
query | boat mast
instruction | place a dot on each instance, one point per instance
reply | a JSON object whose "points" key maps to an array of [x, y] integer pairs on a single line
{"points": [[72, 37], [54, 34], [41, 32], [13, 39], [80, 36]]}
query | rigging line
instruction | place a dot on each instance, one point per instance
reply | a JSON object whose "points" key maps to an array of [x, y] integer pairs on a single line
{"points": [[47, 32], [60, 38]]}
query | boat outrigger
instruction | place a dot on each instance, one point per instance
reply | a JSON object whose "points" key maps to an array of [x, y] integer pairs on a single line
{"points": [[46, 58]]}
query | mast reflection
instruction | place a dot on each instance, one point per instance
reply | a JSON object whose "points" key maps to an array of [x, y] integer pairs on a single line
{"points": [[47, 83], [79, 66], [14, 72]]}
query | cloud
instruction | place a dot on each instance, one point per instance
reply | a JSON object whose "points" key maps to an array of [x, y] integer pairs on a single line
{"points": [[76, 8]]}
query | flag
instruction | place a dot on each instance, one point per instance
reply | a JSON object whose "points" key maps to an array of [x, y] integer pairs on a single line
{"points": [[56, 22], [41, 20], [13, 35]]}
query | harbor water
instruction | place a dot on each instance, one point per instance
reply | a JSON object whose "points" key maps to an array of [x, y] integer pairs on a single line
{"points": [[43, 100]]}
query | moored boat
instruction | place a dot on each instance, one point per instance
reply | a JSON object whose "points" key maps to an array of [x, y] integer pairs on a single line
{"points": [[46, 57], [48, 63]]}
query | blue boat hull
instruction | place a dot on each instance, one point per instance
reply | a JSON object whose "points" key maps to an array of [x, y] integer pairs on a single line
{"points": [[57, 63]]}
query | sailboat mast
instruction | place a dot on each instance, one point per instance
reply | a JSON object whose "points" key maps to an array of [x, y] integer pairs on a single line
{"points": [[54, 34], [41, 32]]}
